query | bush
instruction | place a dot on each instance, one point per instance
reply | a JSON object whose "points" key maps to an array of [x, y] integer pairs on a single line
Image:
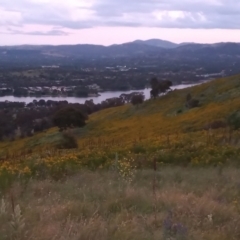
{"points": [[234, 120], [137, 99], [216, 125], [179, 111], [69, 141], [192, 103]]}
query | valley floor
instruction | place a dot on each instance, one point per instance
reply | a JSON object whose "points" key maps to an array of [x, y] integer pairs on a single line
{"points": [[172, 203]]}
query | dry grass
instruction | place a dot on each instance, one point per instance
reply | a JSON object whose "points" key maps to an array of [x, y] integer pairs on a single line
{"points": [[191, 203]]}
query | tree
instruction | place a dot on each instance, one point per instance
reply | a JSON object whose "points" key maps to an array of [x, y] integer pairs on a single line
{"points": [[69, 117], [137, 99], [154, 93], [154, 83], [81, 91], [20, 92], [159, 86], [41, 102], [164, 86]]}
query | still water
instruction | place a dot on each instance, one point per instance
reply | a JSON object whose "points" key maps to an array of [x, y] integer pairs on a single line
{"points": [[104, 96]]}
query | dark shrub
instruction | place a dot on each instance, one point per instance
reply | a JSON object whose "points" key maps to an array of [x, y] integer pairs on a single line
{"points": [[192, 103], [137, 99], [189, 97], [179, 111], [234, 120], [216, 125], [68, 141]]}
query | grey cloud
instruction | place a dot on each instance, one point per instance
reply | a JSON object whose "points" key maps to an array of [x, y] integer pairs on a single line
{"points": [[123, 24], [134, 13], [49, 33], [39, 33], [38, 13], [223, 14]]}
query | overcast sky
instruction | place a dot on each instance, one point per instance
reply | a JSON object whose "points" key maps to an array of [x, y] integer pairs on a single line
{"points": [[116, 21]]}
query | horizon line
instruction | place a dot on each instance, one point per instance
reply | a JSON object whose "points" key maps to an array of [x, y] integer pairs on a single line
{"points": [[19, 45]]}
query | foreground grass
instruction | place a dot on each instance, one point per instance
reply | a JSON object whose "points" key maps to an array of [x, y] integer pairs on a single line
{"points": [[187, 203]]}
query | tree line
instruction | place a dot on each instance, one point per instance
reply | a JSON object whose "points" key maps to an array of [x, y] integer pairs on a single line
{"points": [[18, 119]]}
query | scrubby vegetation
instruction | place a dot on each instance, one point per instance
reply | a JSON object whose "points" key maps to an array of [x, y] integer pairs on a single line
{"points": [[194, 153]]}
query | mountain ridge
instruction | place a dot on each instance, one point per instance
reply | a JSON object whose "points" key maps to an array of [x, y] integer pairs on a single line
{"points": [[150, 42], [157, 43], [138, 51]]}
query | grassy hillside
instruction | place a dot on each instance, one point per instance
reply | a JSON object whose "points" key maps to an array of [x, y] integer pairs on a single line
{"points": [[159, 174], [163, 129]]}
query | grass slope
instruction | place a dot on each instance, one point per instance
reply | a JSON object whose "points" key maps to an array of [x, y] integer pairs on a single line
{"points": [[163, 128], [123, 199], [218, 99]]}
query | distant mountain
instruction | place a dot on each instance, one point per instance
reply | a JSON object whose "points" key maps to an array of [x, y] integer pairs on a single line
{"points": [[83, 50], [153, 48], [186, 43], [230, 49], [158, 43], [170, 45]]}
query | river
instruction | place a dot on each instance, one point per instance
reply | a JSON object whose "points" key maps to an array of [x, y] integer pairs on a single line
{"points": [[104, 96]]}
